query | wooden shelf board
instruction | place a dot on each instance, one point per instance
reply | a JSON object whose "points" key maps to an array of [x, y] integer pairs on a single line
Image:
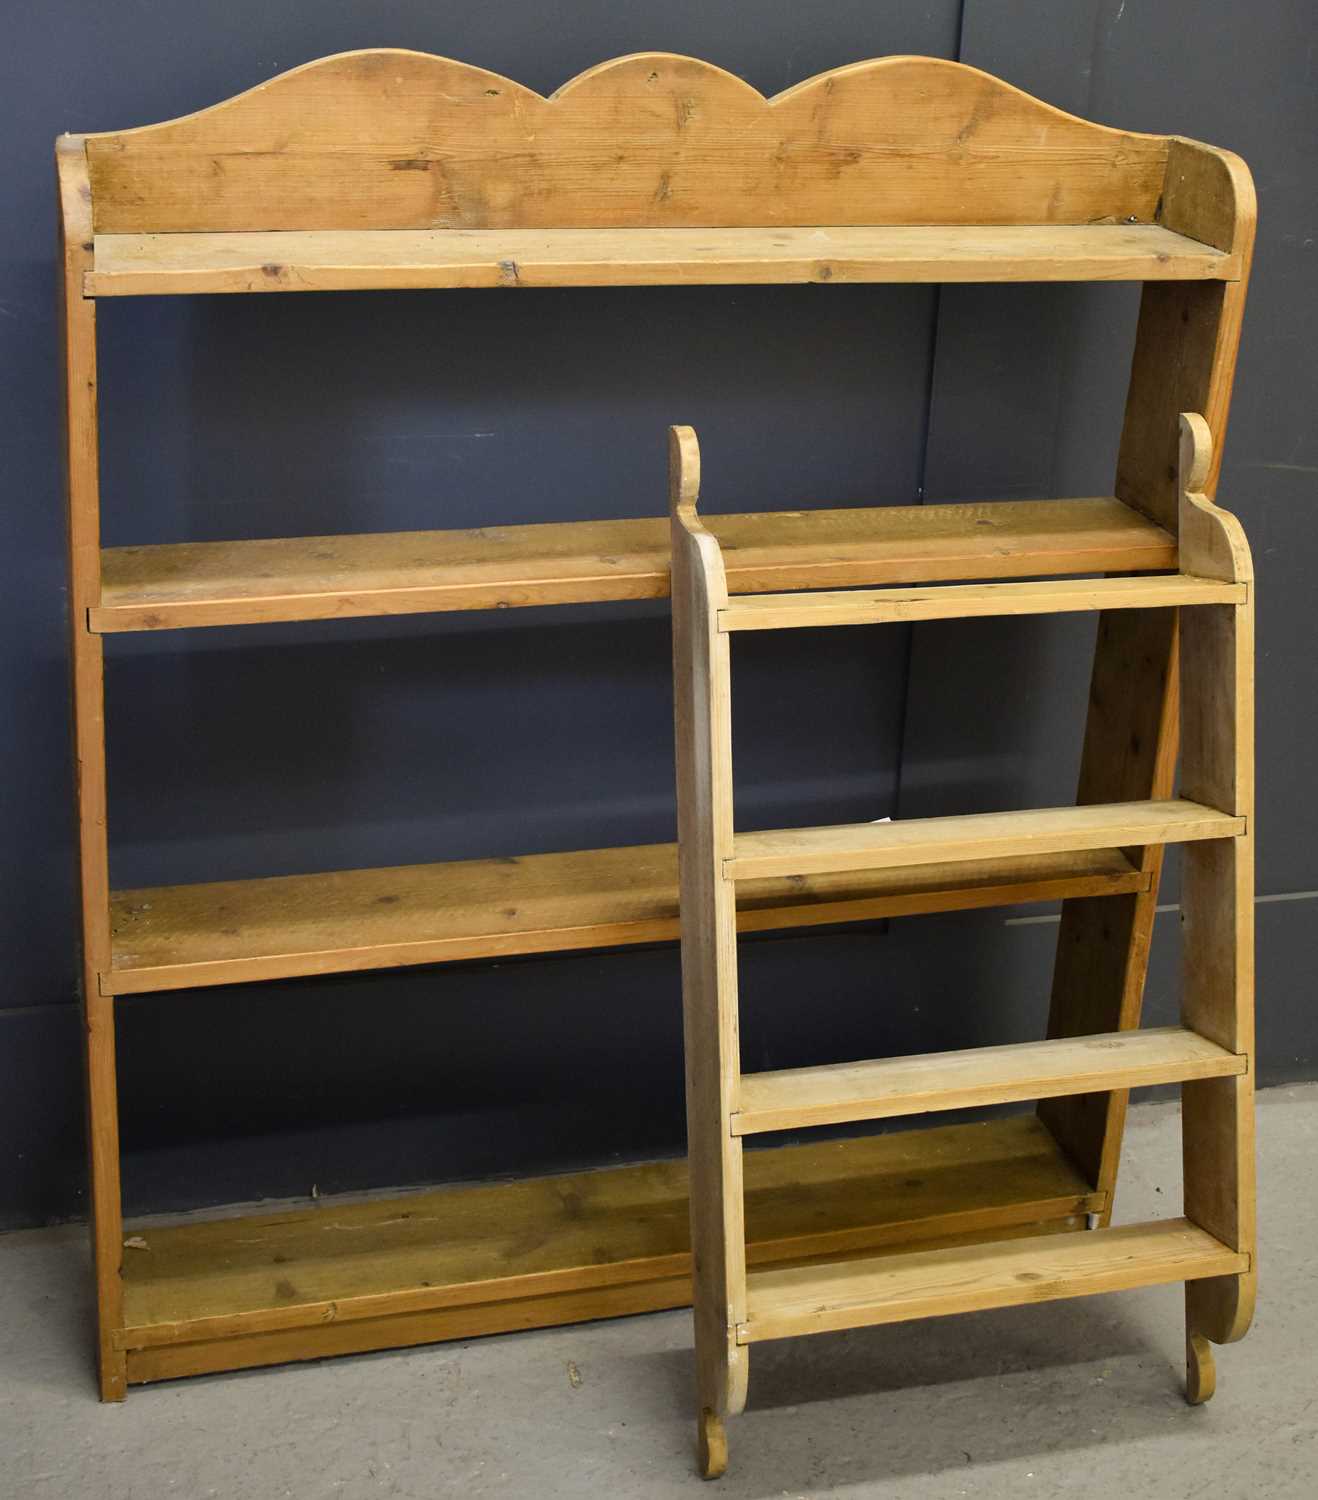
{"points": [[324, 577], [974, 601], [340, 1276], [126, 265], [781, 1303], [915, 841], [881, 1088], [184, 936]]}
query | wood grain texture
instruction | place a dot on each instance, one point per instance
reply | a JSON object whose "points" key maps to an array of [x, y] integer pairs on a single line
{"points": [[1103, 947], [227, 932], [857, 846], [394, 168], [838, 1093], [932, 1283], [1188, 336], [702, 728], [329, 1339], [1184, 360], [325, 1339], [391, 139], [340, 1275], [400, 260], [1217, 900], [1200, 1366], [82, 481], [508, 567], [711, 1445], [476, 1244], [972, 601], [1208, 195]]}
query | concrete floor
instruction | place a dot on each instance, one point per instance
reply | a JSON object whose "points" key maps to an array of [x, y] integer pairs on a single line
{"points": [[1069, 1397]]}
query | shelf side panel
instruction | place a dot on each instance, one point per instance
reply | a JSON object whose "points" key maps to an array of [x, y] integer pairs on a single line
{"points": [[87, 669]]}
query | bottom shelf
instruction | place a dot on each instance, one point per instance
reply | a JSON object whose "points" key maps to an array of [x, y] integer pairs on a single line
{"points": [[453, 1263], [781, 1303]]}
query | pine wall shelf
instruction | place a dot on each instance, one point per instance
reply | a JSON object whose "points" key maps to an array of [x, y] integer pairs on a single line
{"points": [[390, 169]]}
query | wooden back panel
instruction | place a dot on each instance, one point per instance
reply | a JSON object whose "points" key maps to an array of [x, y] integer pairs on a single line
{"points": [[393, 139]]}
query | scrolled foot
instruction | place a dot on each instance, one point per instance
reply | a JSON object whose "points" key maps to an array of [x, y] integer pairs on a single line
{"points": [[711, 1445], [1200, 1369]]}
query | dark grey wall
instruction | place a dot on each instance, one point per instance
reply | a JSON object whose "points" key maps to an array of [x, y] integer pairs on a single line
{"points": [[236, 753]]}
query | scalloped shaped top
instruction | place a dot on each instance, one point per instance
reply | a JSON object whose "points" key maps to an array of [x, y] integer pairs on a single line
{"points": [[390, 139]]}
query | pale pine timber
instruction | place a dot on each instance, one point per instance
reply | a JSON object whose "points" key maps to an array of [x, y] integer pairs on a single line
{"points": [[341, 1276], [226, 932], [127, 265], [1217, 911], [884, 1088], [508, 567], [392, 139], [1184, 361], [842, 1295], [1102, 949], [972, 601], [934, 1283], [857, 846], [1188, 337], [702, 727], [82, 482], [399, 142], [197, 1277]]}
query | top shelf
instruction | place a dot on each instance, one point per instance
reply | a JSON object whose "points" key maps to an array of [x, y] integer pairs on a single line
{"points": [[126, 265]]}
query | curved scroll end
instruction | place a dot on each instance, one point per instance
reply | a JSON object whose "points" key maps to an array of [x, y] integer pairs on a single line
{"points": [[1212, 541], [683, 473], [1208, 194], [695, 552], [1200, 1370], [711, 1445], [1221, 1308], [1196, 452]]}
